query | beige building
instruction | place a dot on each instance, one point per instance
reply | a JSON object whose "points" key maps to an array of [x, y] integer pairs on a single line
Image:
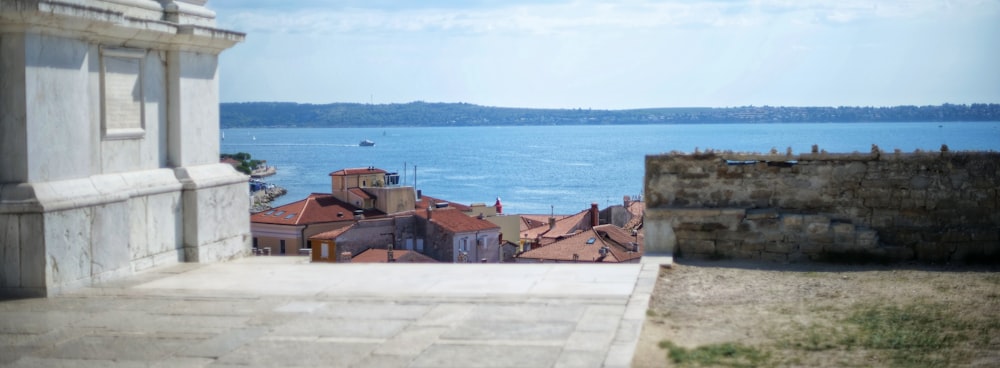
{"points": [[372, 188]]}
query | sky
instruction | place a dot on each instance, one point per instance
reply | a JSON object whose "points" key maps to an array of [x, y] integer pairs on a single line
{"points": [[613, 54]]}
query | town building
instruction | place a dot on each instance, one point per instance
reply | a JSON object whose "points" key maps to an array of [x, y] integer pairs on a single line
{"points": [[452, 236], [445, 233], [534, 236], [109, 142], [599, 244], [367, 209], [285, 229], [372, 188], [397, 232]]}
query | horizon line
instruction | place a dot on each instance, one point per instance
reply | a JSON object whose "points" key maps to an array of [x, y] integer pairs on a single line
{"points": [[606, 109]]}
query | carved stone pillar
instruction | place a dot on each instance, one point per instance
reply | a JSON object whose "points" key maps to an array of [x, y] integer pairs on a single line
{"points": [[109, 142]]}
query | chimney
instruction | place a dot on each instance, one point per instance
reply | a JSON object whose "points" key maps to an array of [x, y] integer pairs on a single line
{"points": [[627, 201], [552, 217], [429, 211], [594, 215]]}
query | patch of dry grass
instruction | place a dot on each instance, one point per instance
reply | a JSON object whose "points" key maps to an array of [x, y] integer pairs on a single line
{"points": [[734, 314]]}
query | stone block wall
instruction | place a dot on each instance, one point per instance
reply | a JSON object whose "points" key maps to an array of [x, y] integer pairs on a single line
{"points": [[933, 206]]}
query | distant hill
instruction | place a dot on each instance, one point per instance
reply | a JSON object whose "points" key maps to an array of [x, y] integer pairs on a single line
{"points": [[415, 114]]}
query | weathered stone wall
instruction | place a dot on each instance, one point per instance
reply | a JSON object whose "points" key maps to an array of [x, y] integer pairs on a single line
{"points": [[378, 234], [933, 206]]}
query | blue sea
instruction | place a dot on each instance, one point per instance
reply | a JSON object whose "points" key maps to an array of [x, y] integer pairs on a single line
{"points": [[538, 169]]}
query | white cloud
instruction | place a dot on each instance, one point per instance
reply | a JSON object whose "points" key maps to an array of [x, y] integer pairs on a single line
{"points": [[548, 18], [614, 54]]}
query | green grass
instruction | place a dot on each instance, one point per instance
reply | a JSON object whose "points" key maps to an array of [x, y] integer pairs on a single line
{"points": [[905, 328], [920, 334], [916, 335], [716, 355]]}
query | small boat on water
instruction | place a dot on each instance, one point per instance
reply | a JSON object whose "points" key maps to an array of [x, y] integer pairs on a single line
{"points": [[366, 143]]}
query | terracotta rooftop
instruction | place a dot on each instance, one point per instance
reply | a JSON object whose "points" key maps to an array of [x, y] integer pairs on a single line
{"points": [[528, 223], [332, 234], [455, 221], [569, 225], [317, 208], [373, 255], [587, 246], [543, 218], [358, 171]]}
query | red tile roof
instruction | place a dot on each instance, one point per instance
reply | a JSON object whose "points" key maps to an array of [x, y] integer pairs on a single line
{"points": [[617, 241], [358, 171], [569, 225], [455, 221], [528, 223], [317, 208], [332, 234], [542, 218], [373, 255]]}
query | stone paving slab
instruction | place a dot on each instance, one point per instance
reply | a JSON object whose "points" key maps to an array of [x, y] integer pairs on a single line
{"points": [[283, 311]]}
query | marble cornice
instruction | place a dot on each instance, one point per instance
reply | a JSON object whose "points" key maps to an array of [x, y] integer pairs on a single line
{"points": [[108, 25]]}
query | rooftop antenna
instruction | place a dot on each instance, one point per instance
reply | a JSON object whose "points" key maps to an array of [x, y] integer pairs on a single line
{"points": [[553, 214]]}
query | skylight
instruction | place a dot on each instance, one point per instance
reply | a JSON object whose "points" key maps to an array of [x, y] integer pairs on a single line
{"points": [[279, 213], [289, 217], [591, 241], [269, 212]]}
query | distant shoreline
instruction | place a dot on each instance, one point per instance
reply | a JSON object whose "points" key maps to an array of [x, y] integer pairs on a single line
{"points": [[422, 114]]}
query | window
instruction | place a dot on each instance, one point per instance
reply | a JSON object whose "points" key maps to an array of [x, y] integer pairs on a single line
{"points": [[464, 246], [282, 246]]}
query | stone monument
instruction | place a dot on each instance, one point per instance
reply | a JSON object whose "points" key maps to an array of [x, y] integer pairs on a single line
{"points": [[109, 142]]}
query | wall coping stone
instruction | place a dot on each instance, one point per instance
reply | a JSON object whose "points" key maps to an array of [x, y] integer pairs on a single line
{"points": [[76, 193]]}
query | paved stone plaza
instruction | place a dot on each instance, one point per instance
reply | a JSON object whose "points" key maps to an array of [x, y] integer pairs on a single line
{"points": [[282, 311]]}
